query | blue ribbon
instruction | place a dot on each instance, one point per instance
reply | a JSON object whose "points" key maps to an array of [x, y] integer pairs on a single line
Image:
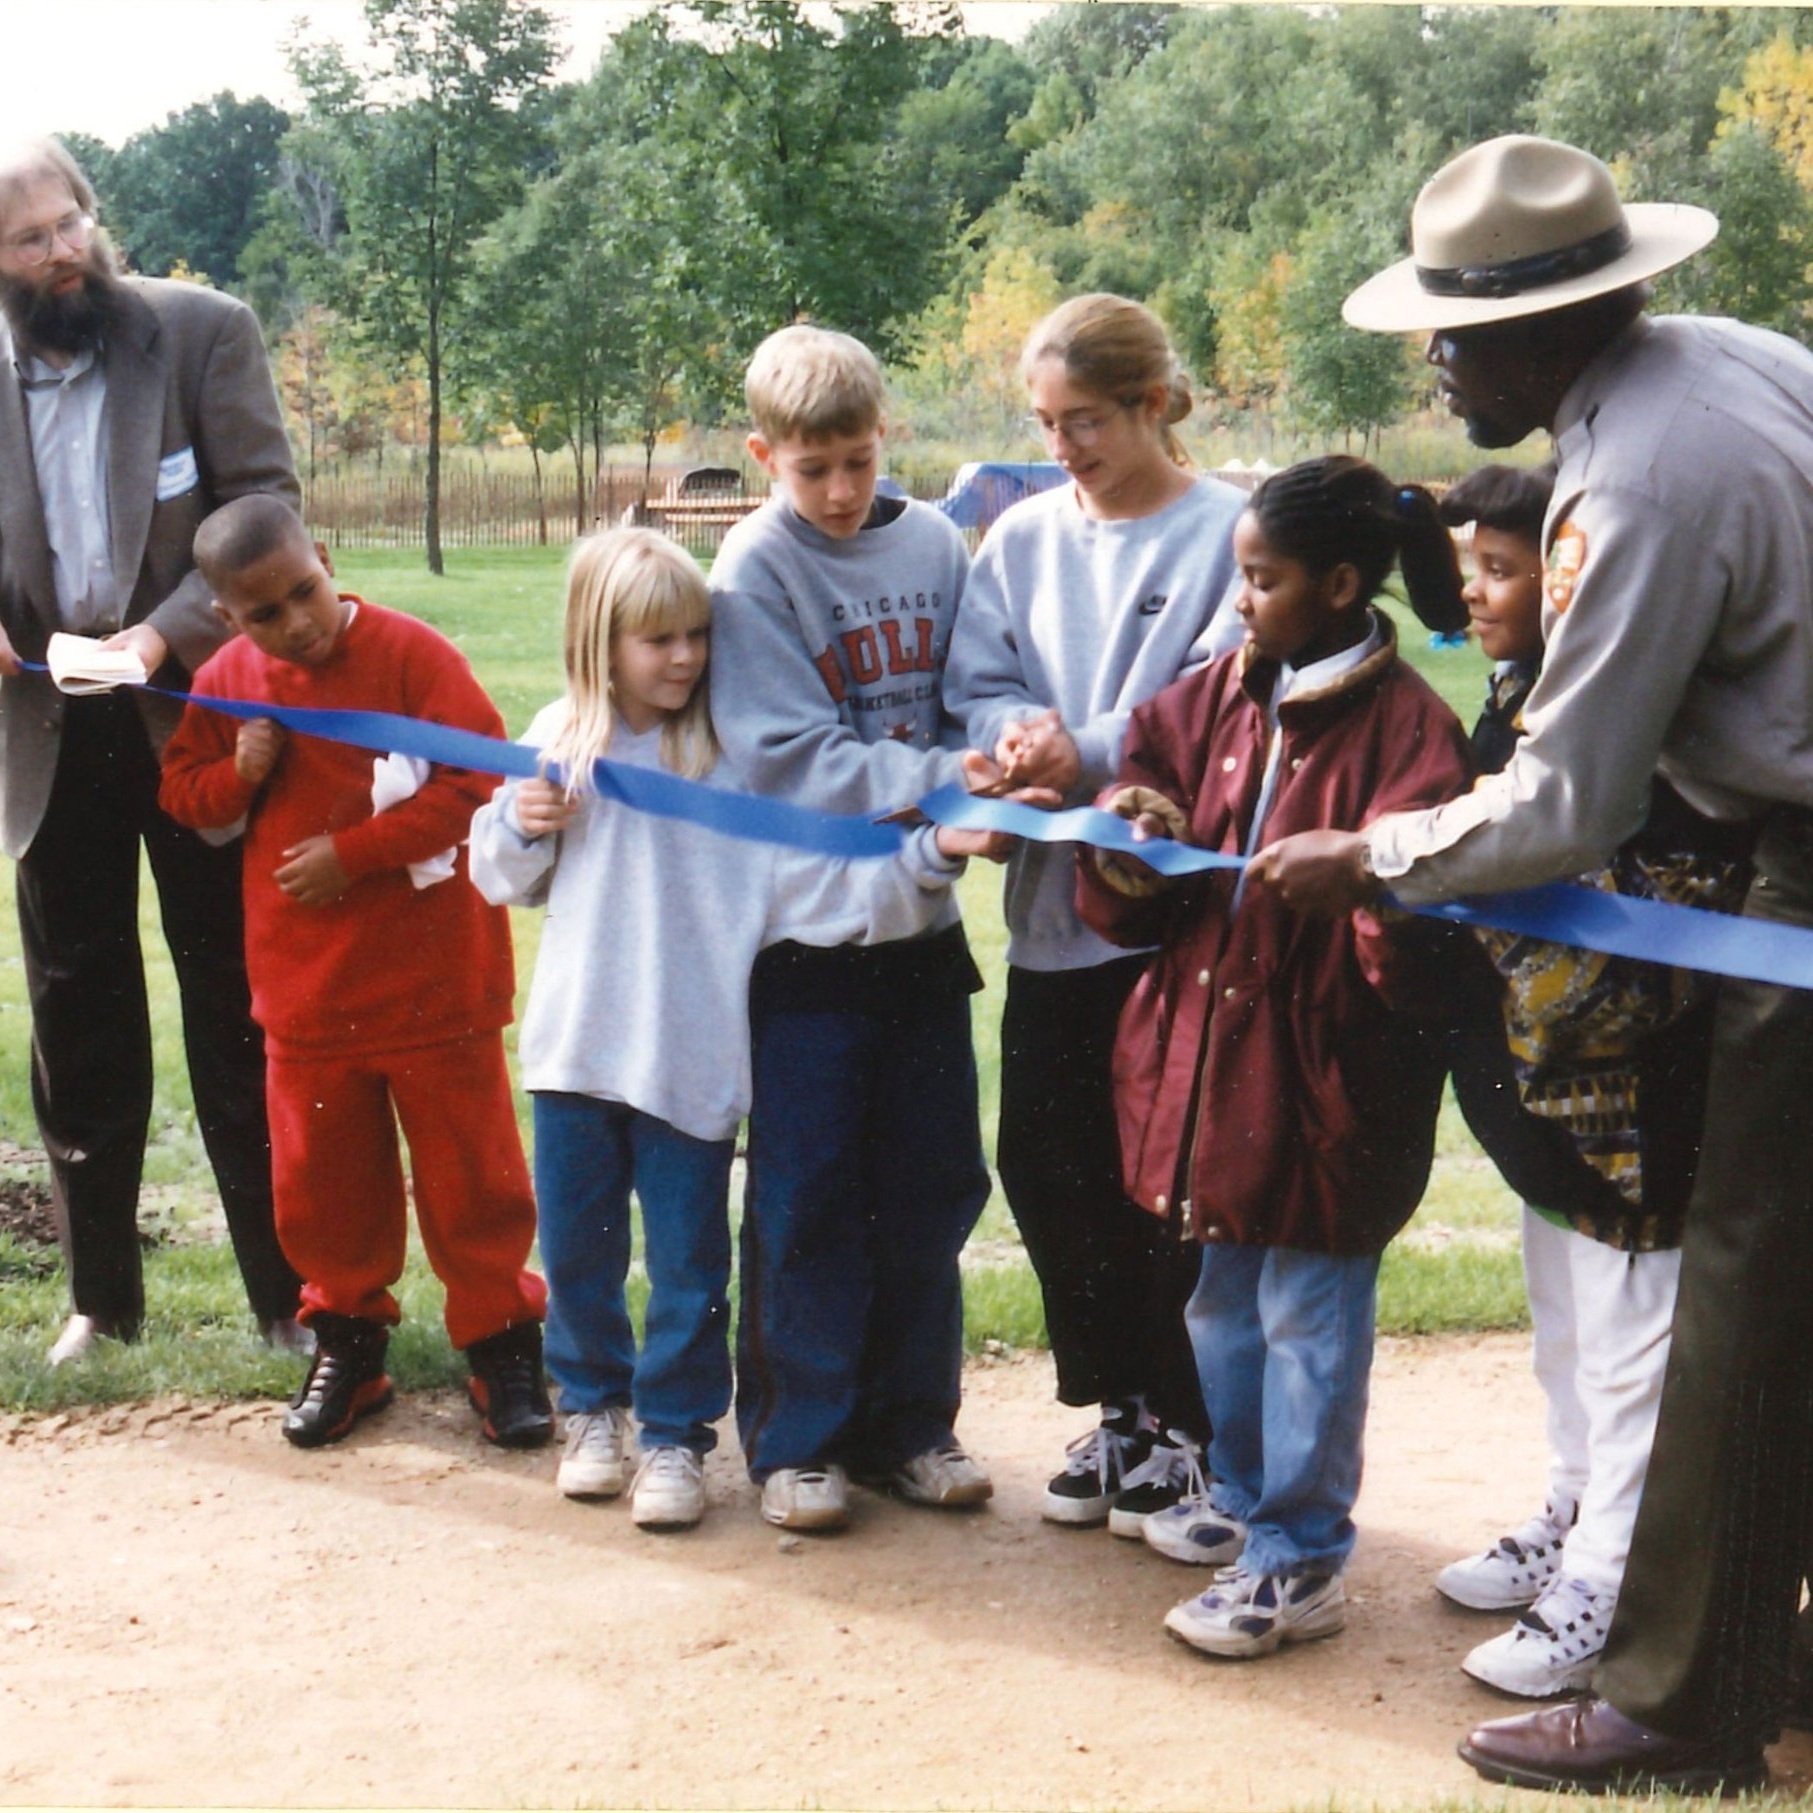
{"points": [[1655, 931], [1652, 931], [963, 811], [654, 790]]}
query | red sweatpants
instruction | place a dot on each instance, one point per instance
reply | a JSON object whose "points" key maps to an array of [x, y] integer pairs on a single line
{"points": [[338, 1179]]}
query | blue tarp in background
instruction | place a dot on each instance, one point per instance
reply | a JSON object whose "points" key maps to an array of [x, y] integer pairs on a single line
{"points": [[982, 489]]}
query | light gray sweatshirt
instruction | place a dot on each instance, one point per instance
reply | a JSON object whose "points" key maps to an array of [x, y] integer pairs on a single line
{"points": [[1092, 617], [826, 656], [641, 988]]}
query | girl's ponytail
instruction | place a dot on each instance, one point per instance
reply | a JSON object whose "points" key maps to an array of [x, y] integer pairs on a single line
{"points": [[1430, 566]]}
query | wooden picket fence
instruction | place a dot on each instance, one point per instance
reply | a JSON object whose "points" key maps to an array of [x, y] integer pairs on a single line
{"points": [[478, 510], [481, 509]]}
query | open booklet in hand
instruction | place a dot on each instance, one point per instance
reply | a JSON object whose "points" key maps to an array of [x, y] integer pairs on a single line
{"points": [[80, 665]]}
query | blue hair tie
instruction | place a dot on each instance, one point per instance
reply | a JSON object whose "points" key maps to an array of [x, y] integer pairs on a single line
{"points": [[1406, 499]]}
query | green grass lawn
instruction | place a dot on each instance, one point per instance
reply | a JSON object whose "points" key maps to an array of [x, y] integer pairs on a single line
{"points": [[1456, 1268]]}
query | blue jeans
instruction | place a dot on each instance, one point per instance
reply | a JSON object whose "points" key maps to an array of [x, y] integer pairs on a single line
{"points": [[1283, 1340], [865, 1178], [589, 1154]]}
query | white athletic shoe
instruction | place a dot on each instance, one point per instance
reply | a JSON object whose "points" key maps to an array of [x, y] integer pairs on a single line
{"points": [[669, 1491], [1191, 1531], [79, 1335], [1553, 1648], [592, 1464], [807, 1498], [1244, 1615], [945, 1477], [1517, 1569]]}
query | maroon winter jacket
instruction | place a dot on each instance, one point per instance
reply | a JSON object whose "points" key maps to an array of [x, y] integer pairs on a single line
{"points": [[1262, 1063]]}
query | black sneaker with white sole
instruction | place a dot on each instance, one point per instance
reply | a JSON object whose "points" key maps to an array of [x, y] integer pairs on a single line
{"points": [[1096, 1467], [1172, 1471]]}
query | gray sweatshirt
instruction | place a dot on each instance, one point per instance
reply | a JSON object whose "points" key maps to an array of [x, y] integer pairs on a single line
{"points": [[641, 988], [826, 656], [1092, 617]]}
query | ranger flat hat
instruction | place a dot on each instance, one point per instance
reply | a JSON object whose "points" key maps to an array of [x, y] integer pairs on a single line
{"points": [[1519, 226]]}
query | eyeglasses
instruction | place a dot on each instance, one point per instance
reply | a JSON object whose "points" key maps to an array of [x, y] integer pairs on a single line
{"points": [[1078, 430], [75, 230]]}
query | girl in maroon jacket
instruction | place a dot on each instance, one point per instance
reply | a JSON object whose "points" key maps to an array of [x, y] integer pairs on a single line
{"points": [[1273, 1101]]}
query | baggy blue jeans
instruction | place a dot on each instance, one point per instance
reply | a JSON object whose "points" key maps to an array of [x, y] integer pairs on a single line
{"points": [[865, 1178], [1284, 1343], [589, 1156]]}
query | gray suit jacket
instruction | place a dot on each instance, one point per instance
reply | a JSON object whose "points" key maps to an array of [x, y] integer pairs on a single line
{"points": [[186, 369]]}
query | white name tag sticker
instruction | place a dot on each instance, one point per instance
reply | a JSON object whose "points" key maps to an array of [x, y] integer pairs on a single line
{"points": [[176, 474]]}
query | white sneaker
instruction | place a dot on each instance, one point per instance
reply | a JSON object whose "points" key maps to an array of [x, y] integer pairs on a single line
{"points": [[1553, 1648], [946, 1477], [1194, 1532], [592, 1464], [1244, 1615], [79, 1334], [807, 1498], [1517, 1569], [669, 1492], [1168, 1476]]}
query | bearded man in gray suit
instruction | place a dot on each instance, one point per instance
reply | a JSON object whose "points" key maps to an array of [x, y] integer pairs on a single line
{"points": [[129, 409]]}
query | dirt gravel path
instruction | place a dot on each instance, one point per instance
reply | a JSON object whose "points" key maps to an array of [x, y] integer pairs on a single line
{"points": [[192, 1612]]}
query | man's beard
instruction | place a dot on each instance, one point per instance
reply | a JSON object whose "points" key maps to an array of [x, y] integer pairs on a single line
{"points": [[71, 323]]}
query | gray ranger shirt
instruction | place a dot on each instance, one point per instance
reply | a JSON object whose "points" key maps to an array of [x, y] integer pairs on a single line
{"points": [[1678, 614]]}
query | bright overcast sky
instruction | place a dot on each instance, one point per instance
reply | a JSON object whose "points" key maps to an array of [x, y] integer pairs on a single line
{"points": [[110, 67]]}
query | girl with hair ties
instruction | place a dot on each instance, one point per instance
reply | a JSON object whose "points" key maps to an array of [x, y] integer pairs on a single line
{"points": [[1272, 1087], [1083, 602]]}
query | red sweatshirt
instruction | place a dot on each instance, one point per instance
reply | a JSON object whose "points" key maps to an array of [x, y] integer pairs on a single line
{"points": [[387, 965]]}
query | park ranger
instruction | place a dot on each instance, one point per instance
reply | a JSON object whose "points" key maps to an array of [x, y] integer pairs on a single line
{"points": [[1679, 626]]}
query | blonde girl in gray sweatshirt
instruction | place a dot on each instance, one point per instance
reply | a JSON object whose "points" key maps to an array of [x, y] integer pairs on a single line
{"points": [[635, 1042]]}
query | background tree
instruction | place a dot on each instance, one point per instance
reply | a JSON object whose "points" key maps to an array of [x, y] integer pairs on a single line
{"points": [[1776, 95], [95, 157], [1638, 87], [300, 362], [620, 329], [1341, 380], [1759, 267], [786, 131], [191, 191], [733, 164], [429, 143], [956, 127], [1016, 293], [1246, 291]]}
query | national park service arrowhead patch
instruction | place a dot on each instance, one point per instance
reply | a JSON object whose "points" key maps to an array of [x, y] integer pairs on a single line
{"points": [[1567, 555]]}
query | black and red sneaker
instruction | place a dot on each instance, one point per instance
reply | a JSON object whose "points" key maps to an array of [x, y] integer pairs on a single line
{"points": [[346, 1380], [507, 1388]]}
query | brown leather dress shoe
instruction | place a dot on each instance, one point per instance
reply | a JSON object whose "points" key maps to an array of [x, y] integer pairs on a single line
{"points": [[1590, 1747]]}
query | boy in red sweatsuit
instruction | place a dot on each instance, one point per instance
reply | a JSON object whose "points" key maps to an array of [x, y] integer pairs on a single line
{"points": [[382, 996]]}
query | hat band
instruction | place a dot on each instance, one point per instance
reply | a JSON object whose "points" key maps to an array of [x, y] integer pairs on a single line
{"points": [[1517, 275]]}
